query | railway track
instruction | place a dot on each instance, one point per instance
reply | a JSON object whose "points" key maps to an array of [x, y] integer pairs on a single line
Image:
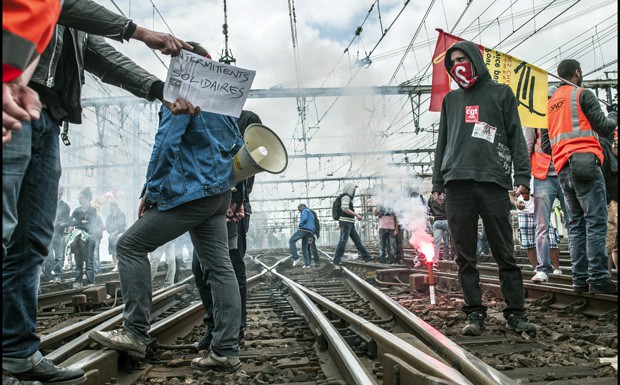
{"points": [[360, 324]]}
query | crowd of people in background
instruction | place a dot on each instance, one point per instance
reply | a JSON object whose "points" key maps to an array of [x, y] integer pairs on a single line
{"points": [[77, 238]]}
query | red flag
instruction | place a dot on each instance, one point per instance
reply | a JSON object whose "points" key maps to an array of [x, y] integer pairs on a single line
{"points": [[441, 79]]}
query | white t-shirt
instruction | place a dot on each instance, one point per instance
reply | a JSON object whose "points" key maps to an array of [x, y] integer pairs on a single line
{"points": [[529, 205]]}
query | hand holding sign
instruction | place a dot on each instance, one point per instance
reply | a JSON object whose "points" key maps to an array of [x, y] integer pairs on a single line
{"points": [[212, 86], [182, 106]]}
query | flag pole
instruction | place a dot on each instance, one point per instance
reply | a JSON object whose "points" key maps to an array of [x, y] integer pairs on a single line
{"points": [[575, 85]]}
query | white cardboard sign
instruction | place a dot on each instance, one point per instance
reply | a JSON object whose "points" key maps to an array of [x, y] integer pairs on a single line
{"points": [[211, 85]]}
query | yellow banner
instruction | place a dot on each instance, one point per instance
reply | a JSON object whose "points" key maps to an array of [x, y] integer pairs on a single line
{"points": [[528, 82]]}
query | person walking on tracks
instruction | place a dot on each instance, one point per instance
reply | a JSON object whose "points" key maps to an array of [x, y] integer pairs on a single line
{"points": [[346, 215], [479, 139], [304, 232]]}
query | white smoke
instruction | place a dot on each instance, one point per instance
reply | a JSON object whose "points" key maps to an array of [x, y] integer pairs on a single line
{"points": [[410, 211]]}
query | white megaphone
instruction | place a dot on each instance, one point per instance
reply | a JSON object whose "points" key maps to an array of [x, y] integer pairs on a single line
{"points": [[262, 151]]}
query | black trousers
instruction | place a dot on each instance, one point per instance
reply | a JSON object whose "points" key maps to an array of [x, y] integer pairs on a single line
{"points": [[465, 201]]}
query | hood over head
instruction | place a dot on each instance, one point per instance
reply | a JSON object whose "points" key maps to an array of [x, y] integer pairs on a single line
{"points": [[475, 56], [349, 189]]}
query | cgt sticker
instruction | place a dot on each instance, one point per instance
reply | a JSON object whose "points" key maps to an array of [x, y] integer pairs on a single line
{"points": [[472, 114]]}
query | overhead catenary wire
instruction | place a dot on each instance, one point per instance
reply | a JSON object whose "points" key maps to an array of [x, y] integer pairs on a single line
{"points": [[549, 22]]}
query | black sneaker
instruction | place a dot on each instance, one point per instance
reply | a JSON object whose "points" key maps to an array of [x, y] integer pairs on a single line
{"points": [[580, 289], [8, 379], [50, 374], [204, 342], [606, 287], [475, 324], [519, 324]]}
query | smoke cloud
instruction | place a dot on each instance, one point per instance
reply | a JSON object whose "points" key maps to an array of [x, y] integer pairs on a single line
{"points": [[410, 210]]}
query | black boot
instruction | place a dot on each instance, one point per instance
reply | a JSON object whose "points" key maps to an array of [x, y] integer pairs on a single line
{"points": [[475, 324]]}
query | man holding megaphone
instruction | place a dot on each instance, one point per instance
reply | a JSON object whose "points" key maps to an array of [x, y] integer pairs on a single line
{"points": [[188, 188]]}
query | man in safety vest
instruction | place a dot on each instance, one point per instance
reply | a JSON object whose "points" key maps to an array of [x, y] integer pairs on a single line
{"points": [[27, 28], [546, 188], [575, 121]]}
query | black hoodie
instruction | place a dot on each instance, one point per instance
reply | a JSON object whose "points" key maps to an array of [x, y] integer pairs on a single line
{"points": [[462, 156]]}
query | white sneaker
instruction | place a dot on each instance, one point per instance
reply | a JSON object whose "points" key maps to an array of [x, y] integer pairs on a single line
{"points": [[296, 262], [540, 277], [213, 361], [305, 267], [557, 272], [120, 339]]}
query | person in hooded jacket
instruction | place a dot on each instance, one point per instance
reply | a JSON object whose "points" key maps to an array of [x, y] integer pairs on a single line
{"points": [[480, 138], [346, 222]]}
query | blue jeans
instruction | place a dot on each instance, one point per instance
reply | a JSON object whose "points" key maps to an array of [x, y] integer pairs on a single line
{"points": [[587, 207], [206, 222], [58, 245], [304, 235], [30, 175], [545, 192], [440, 231], [387, 243], [466, 200], [347, 229], [482, 245]]}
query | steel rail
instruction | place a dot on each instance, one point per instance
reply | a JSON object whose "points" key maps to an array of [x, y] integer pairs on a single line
{"points": [[100, 366], [182, 322], [63, 297], [83, 341], [472, 367], [563, 296], [430, 366], [90, 322], [350, 366]]}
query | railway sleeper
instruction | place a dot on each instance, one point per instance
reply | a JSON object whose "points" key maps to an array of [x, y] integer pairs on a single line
{"points": [[397, 372], [361, 344]]}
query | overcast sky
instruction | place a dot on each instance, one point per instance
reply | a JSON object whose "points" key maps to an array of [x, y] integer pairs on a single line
{"points": [[260, 39]]}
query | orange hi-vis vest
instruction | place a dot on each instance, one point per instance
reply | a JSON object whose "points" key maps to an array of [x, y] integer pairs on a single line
{"points": [[539, 160], [27, 27], [569, 129]]}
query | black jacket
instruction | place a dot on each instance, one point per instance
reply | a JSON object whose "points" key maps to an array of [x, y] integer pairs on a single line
{"points": [[437, 211], [244, 188], [85, 18], [610, 170], [461, 156]]}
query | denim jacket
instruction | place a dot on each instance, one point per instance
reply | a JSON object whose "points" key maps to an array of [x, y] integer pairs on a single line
{"points": [[191, 159]]}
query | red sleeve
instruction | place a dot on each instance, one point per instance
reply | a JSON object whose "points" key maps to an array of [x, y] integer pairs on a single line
{"points": [[27, 27]]}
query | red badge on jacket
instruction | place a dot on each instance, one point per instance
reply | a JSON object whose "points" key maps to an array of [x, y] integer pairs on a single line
{"points": [[471, 114]]}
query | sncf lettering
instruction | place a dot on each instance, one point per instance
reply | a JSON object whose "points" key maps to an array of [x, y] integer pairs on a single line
{"points": [[557, 105]]}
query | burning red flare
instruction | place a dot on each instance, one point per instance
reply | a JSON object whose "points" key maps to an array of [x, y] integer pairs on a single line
{"points": [[427, 250], [423, 242]]}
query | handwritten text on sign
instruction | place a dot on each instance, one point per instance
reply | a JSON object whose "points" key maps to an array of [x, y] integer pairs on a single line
{"points": [[211, 85]]}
